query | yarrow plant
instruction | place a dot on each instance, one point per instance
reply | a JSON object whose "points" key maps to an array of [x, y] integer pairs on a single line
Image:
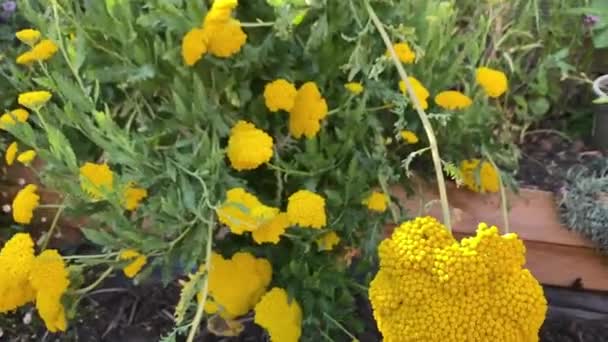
{"points": [[246, 150]]}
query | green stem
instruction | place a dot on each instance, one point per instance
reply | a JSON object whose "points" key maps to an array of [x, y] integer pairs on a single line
{"points": [[49, 235], [101, 278], [423, 118], [90, 256], [258, 24], [503, 195], [205, 290], [384, 186], [289, 171], [340, 326]]}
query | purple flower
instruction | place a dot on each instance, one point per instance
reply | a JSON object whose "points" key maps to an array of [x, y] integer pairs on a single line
{"points": [[9, 6], [590, 20]]}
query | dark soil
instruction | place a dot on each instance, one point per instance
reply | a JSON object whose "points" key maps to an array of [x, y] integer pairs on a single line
{"points": [[547, 156]]}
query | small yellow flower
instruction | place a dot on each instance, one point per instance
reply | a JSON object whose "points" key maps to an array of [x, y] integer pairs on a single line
{"points": [[280, 95], [308, 110], [8, 119], [24, 204], [422, 94], [453, 100], [138, 261], [28, 36], [248, 146], [39, 53], [133, 196], [409, 137], [26, 157], [493, 82], [354, 88], [11, 153], [377, 202], [306, 209], [194, 46], [280, 316], [328, 241], [96, 179], [489, 180], [243, 212], [220, 12], [34, 99], [227, 40], [404, 52], [16, 260], [271, 231], [50, 279]]}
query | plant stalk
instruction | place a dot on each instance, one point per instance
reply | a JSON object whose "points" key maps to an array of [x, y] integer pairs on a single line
{"points": [[428, 128]]}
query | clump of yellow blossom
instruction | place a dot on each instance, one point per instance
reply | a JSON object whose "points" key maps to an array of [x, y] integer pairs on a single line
{"points": [[272, 230], [34, 99], [236, 284], [96, 179], [39, 53], [133, 196], [248, 146], [220, 35], [377, 202], [280, 95], [453, 100], [8, 119], [328, 241], [49, 278], [243, 212], [409, 137], [11, 153], [306, 209], [28, 36], [280, 316], [16, 260], [26, 157], [24, 204], [354, 88], [422, 94], [489, 180], [404, 52], [138, 261], [308, 110], [493, 82], [432, 288]]}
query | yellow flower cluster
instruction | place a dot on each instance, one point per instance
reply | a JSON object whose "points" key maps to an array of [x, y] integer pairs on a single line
{"points": [[404, 52], [377, 202], [432, 288], [493, 82], [24, 204], [27, 278], [39, 52], [409, 137], [138, 261], [97, 180], [34, 99], [422, 94], [306, 107], [480, 176], [24, 158], [280, 316], [306, 209], [248, 146], [236, 284], [354, 88], [8, 119], [220, 34], [453, 100]]}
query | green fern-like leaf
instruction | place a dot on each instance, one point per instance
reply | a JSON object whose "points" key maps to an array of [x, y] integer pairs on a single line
{"points": [[410, 158], [453, 172], [190, 288]]}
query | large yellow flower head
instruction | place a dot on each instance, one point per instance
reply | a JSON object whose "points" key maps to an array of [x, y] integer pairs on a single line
{"points": [[308, 110], [28, 36], [236, 284], [453, 100], [227, 39], [280, 316], [8, 119], [24, 204], [243, 212], [16, 261], [49, 277], [272, 230], [306, 209], [280, 95], [493, 82], [133, 197], [96, 179], [422, 94], [137, 262], [404, 52], [248, 147], [489, 178], [377, 202], [432, 288], [34, 99], [194, 45]]}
